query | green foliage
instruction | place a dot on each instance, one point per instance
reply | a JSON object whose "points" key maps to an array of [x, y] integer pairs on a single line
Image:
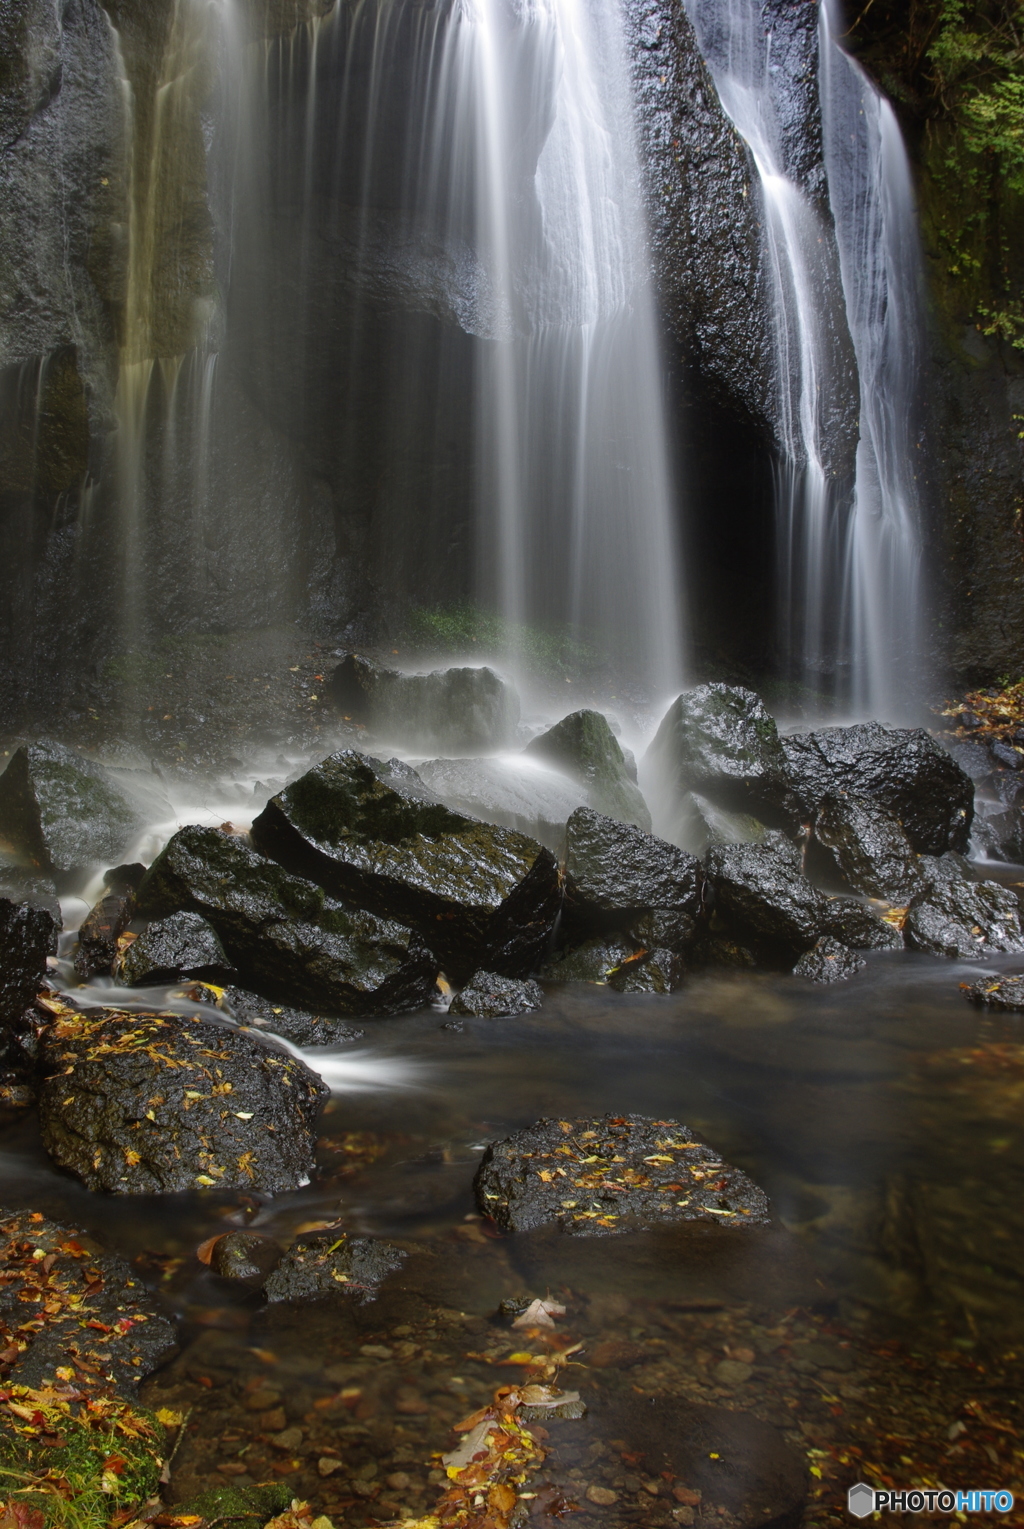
{"points": [[465, 628]]}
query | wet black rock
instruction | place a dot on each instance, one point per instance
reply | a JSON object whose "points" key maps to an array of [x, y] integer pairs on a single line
{"points": [[615, 873], [488, 996], [828, 961], [957, 917], [451, 710], [584, 747], [127, 1336], [593, 961], [870, 849], [30, 923], [719, 741], [333, 1263], [295, 1025], [663, 929], [761, 894], [63, 812], [247, 1257], [618, 1173], [650, 971], [100, 931], [857, 924], [1004, 992], [482, 896], [697, 823], [181, 945], [902, 770], [160, 1103], [283, 935]]}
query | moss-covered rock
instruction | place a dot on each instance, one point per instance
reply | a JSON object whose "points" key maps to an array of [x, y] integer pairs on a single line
{"points": [[584, 747], [482, 896], [159, 1103], [63, 812], [283, 935]]}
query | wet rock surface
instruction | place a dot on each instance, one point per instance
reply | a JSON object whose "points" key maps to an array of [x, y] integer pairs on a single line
{"points": [[649, 971], [957, 917], [533, 801], [584, 748], [183, 945], [762, 893], [283, 935], [332, 1264], [65, 1302], [63, 812], [721, 742], [488, 996], [482, 896], [613, 1174], [245, 1256], [30, 922], [615, 873], [1004, 992], [157, 1103], [858, 925], [295, 1025], [593, 961], [452, 710], [100, 931], [828, 961], [870, 849], [698, 823], [902, 770]]}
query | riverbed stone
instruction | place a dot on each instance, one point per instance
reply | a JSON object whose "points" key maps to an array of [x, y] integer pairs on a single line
{"points": [[481, 896], [283, 935], [828, 961], [136, 1103], [455, 711], [593, 961], [489, 996], [615, 873], [295, 1025], [721, 742], [649, 971], [869, 847], [100, 931], [618, 1173], [698, 823], [583, 747], [333, 1263], [62, 812], [858, 925], [1004, 992], [30, 923], [762, 894], [247, 1257], [961, 918], [900, 769], [182, 945], [87, 1304]]}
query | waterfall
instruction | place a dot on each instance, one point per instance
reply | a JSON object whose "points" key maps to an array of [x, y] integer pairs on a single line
{"points": [[439, 206], [842, 252]]}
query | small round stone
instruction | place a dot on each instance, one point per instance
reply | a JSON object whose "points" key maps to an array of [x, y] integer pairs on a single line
{"points": [[602, 1497]]}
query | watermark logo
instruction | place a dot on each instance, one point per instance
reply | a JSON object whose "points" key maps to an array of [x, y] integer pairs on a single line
{"points": [[862, 1500]]}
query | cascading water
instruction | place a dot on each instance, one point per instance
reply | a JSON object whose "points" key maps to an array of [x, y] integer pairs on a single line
{"points": [[848, 580], [473, 164]]}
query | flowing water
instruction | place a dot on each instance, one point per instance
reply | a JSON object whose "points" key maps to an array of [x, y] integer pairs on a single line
{"points": [[848, 580]]}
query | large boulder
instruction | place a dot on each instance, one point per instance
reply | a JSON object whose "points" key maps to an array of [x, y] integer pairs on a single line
{"points": [[483, 896], [762, 894], [455, 711], [961, 918], [695, 823], [512, 791], [869, 847], [615, 874], [584, 747], [181, 945], [295, 1025], [63, 813], [902, 770], [620, 1173], [719, 741], [30, 923], [859, 926], [161, 1103], [282, 934]]}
